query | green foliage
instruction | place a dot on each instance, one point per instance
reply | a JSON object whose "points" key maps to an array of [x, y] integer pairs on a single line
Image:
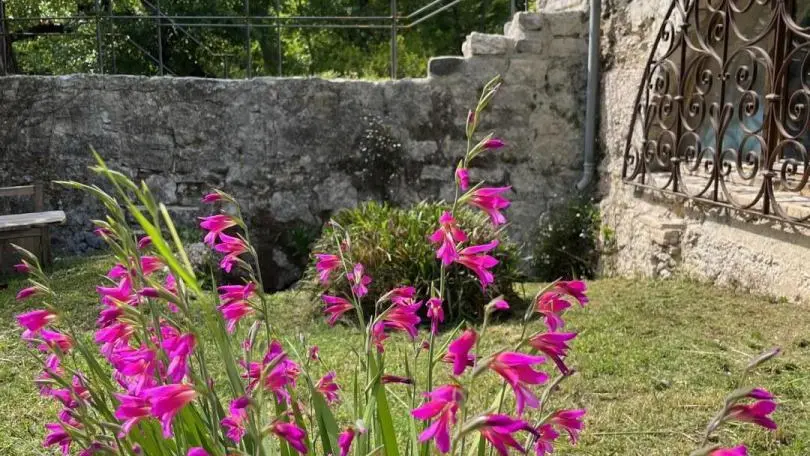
{"points": [[566, 241], [391, 243], [130, 46]]}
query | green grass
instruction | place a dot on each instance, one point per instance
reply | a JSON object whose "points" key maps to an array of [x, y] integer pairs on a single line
{"points": [[654, 360]]}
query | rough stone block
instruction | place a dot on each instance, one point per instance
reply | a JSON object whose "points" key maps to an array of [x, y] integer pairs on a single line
{"points": [[529, 46], [444, 66], [485, 44], [562, 5], [567, 23], [567, 47]]}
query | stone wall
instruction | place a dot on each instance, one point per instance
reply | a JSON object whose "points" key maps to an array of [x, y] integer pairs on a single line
{"points": [[290, 148], [656, 236]]}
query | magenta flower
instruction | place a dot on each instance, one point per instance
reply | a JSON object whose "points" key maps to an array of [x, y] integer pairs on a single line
{"points": [[35, 320], [131, 410], [571, 421], [448, 235], [235, 421], [150, 264], [736, 451], [403, 318], [516, 369], [493, 143], [555, 346], [551, 306], [335, 308], [57, 435], [388, 379], [122, 292], [178, 350], [215, 225], [459, 351], [294, 435], [138, 365], [103, 233], [212, 197], [327, 386], [435, 313], [113, 336], [498, 430], [22, 268], [499, 304], [760, 394], [476, 259], [235, 301], [325, 265], [441, 407], [359, 281], [345, 440], [283, 374], [378, 335], [144, 242], [166, 401], [489, 200], [314, 353], [545, 435], [26, 293], [232, 247], [402, 295], [463, 178], [197, 451], [574, 288], [55, 340], [756, 413]]}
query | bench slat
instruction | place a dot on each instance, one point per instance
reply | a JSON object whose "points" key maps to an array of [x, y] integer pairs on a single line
{"points": [[22, 190], [17, 221]]}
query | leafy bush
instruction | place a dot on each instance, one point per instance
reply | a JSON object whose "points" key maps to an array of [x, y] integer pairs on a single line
{"points": [[391, 243], [565, 242]]}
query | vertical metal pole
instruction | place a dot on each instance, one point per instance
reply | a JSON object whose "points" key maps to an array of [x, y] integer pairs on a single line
{"points": [[279, 49], [592, 94], [513, 8], [3, 39], [99, 39], [394, 26], [249, 68], [112, 34], [159, 36]]}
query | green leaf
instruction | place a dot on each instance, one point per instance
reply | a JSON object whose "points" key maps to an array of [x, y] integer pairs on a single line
{"points": [[384, 419], [327, 426]]}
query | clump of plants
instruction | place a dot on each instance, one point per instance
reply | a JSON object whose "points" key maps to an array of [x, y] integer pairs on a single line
{"points": [[145, 384], [391, 243], [566, 241]]}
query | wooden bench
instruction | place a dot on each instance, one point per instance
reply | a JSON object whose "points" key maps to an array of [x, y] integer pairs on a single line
{"points": [[29, 230]]}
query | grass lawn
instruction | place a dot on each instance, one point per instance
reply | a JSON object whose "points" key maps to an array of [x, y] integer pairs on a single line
{"points": [[655, 359]]}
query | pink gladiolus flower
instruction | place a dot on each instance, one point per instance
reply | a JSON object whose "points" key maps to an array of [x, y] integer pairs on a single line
{"points": [[131, 410], [403, 318], [435, 313], [551, 306], [402, 295], [448, 235], [499, 304], [22, 268], [441, 408], [760, 394], [476, 259], [489, 200], [232, 247], [26, 293], [57, 435], [314, 353], [359, 281], [544, 440], [166, 401], [144, 242], [197, 451], [294, 435], [137, 365], [325, 265], [122, 292], [463, 178], [555, 346], [103, 233], [756, 413], [460, 348], [516, 369], [736, 451], [117, 271], [345, 441], [35, 320], [335, 308], [235, 301], [211, 198], [215, 225], [178, 349], [235, 422], [113, 336], [498, 430], [574, 288], [378, 335], [283, 374], [54, 339], [494, 143], [388, 379], [327, 386], [571, 421], [150, 264]]}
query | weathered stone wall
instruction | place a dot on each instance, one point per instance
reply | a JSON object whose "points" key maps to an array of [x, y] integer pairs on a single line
{"points": [[656, 236], [290, 148]]}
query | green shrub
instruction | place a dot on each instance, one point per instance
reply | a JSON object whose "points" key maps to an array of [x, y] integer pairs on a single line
{"points": [[565, 241], [391, 243]]}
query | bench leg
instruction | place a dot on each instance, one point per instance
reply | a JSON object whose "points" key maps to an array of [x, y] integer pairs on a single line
{"points": [[45, 246]]}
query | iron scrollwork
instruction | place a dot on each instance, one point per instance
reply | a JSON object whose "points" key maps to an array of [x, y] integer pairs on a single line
{"points": [[723, 113]]}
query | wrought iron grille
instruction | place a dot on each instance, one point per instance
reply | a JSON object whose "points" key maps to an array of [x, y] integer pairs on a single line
{"points": [[723, 112]]}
